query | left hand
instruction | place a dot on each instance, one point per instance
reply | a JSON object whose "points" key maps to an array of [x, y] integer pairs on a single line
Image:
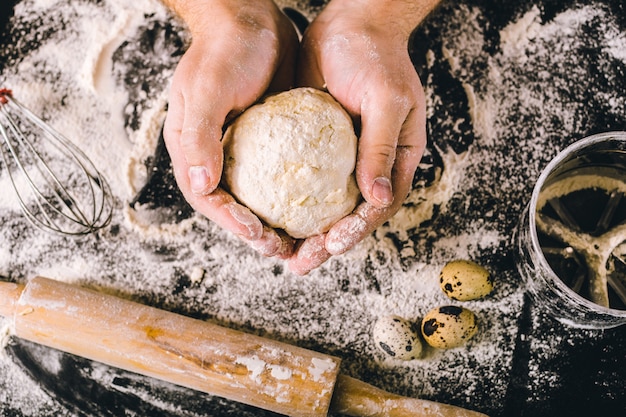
{"points": [[240, 50]]}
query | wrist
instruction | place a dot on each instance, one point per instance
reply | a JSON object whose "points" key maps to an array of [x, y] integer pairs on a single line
{"points": [[400, 16], [202, 15]]}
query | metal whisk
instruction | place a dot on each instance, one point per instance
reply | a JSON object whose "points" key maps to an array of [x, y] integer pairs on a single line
{"points": [[58, 188]]}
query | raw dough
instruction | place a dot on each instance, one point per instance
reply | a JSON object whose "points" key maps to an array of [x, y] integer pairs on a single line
{"points": [[291, 160]]}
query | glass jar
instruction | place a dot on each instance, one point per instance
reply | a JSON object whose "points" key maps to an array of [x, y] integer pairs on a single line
{"points": [[571, 240]]}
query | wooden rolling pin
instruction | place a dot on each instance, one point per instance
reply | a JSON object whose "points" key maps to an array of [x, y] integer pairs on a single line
{"points": [[238, 366]]}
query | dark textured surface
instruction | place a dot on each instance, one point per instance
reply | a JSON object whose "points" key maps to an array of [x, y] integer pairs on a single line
{"points": [[556, 370]]}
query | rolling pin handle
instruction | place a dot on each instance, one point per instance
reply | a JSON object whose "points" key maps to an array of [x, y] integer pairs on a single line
{"points": [[10, 293]]}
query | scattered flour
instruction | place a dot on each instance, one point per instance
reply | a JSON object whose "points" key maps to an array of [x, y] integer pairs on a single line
{"points": [[5, 333], [520, 119]]}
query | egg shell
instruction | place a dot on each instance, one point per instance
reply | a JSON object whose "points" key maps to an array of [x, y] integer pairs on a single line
{"points": [[465, 280], [448, 327], [397, 338]]}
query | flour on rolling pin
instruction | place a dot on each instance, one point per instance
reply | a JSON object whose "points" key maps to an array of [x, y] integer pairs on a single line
{"points": [[198, 355], [163, 345]]}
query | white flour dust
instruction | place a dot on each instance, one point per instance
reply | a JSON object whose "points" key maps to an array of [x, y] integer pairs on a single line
{"points": [[81, 79]]}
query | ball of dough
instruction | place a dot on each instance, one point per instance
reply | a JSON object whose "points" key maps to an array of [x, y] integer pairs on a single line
{"points": [[465, 280], [448, 327], [291, 160], [396, 337]]}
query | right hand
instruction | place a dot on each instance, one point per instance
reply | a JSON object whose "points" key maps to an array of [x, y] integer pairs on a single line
{"points": [[240, 50], [353, 51]]}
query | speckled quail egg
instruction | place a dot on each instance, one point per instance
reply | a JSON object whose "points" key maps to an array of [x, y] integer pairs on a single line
{"points": [[448, 327], [464, 280], [397, 338]]}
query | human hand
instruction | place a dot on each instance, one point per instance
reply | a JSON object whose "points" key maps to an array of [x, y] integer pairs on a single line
{"points": [[358, 51], [240, 50]]}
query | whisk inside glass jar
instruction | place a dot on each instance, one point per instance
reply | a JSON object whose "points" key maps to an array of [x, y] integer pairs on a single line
{"points": [[57, 186]]}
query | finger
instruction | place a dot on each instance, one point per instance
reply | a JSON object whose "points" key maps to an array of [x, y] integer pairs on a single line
{"points": [[309, 255], [238, 219], [221, 208], [218, 206], [355, 227], [381, 120], [200, 143], [271, 243], [352, 229], [193, 132]]}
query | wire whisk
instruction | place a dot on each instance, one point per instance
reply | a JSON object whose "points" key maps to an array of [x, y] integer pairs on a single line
{"points": [[57, 186]]}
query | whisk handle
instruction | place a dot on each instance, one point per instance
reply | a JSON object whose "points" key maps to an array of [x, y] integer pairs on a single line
{"points": [[4, 93]]}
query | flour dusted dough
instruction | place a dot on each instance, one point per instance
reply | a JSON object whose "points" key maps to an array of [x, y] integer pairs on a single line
{"points": [[291, 160]]}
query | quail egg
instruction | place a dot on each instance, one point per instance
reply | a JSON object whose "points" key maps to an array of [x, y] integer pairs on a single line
{"points": [[464, 280], [448, 327], [397, 338]]}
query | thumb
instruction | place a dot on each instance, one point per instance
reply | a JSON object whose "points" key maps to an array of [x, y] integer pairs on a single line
{"points": [[200, 144], [194, 141], [380, 128]]}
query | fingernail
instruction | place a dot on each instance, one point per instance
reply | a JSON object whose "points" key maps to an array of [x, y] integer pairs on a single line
{"points": [[199, 179], [381, 191]]}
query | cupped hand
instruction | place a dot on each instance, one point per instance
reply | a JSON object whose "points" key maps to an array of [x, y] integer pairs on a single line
{"points": [[360, 55], [240, 49]]}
